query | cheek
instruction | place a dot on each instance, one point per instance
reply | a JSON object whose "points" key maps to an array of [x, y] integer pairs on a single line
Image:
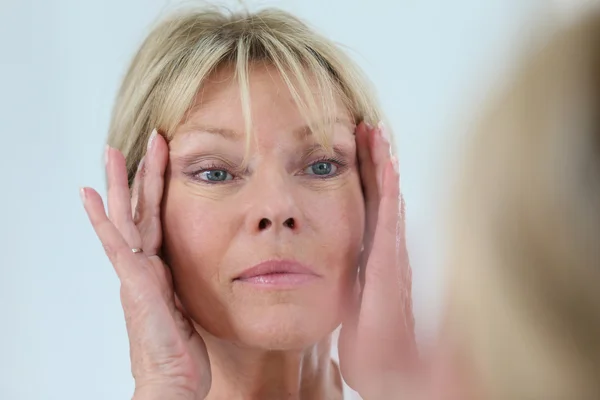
{"points": [[336, 220], [340, 215], [196, 235], [194, 228]]}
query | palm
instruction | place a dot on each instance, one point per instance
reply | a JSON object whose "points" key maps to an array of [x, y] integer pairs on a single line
{"points": [[167, 354]]}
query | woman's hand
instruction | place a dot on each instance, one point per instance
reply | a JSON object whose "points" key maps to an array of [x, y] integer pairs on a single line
{"points": [[168, 357], [377, 346]]}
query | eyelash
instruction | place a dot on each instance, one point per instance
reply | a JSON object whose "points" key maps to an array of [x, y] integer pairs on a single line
{"points": [[341, 166]]}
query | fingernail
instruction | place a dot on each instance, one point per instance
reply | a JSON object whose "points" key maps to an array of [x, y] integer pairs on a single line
{"points": [[82, 195], [395, 164], [384, 132], [106, 150], [151, 140], [368, 125]]}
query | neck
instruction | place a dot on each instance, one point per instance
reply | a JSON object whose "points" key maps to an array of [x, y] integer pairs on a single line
{"points": [[248, 374]]}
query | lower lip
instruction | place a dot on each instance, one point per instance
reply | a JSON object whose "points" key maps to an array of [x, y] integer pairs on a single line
{"points": [[279, 280]]}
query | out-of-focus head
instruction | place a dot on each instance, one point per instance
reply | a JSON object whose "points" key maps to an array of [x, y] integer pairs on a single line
{"points": [[523, 310], [259, 112]]}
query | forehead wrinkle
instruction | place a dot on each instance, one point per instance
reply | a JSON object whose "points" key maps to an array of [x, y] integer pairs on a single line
{"points": [[305, 132], [226, 133]]}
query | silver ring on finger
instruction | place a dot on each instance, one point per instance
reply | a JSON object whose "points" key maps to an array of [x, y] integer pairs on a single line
{"points": [[136, 250]]}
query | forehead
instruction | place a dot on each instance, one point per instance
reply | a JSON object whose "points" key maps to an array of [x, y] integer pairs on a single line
{"points": [[269, 100]]}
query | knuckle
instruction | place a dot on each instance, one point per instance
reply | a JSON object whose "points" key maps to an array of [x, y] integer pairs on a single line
{"points": [[391, 226], [110, 252], [113, 254]]}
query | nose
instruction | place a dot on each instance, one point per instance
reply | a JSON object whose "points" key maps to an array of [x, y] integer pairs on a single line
{"points": [[273, 207]]}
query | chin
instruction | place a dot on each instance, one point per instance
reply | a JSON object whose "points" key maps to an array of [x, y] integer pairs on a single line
{"points": [[285, 327]]}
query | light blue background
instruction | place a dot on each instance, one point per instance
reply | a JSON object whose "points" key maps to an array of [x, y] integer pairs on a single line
{"points": [[63, 335]]}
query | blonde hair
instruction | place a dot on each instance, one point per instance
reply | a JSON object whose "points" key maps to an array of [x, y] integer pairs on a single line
{"points": [[524, 276], [184, 49]]}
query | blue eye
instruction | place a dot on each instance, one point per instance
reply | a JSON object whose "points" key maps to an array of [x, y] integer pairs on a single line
{"points": [[215, 175], [321, 168]]}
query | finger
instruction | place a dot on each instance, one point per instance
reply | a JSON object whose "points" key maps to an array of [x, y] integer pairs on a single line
{"points": [[378, 145], [116, 247], [386, 299], [383, 272], [388, 280], [135, 189], [367, 170], [151, 193], [119, 201], [368, 178], [365, 161], [381, 149], [351, 310]]}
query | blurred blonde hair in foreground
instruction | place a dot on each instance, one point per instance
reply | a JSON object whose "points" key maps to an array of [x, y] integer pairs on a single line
{"points": [[524, 277]]}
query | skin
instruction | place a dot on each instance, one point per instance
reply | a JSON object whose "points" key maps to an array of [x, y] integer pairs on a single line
{"points": [[261, 343]]}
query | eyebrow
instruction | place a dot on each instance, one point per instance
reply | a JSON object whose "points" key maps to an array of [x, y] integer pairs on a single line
{"points": [[301, 133], [339, 151]]}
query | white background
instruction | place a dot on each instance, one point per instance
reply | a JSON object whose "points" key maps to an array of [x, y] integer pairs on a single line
{"points": [[62, 334]]}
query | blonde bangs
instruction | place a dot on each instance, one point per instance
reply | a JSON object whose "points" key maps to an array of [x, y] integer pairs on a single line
{"points": [[181, 53]]}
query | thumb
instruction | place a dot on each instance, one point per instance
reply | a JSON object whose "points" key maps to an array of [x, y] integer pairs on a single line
{"points": [[351, 311]]}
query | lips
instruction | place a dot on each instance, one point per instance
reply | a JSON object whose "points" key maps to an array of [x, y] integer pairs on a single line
{"points": [[278, 273]]}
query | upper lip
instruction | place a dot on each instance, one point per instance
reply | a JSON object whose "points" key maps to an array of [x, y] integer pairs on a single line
{"points": [[276, 267]]}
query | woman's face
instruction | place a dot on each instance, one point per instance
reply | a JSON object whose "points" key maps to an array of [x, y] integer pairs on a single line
{"points": [[294, 209]]}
